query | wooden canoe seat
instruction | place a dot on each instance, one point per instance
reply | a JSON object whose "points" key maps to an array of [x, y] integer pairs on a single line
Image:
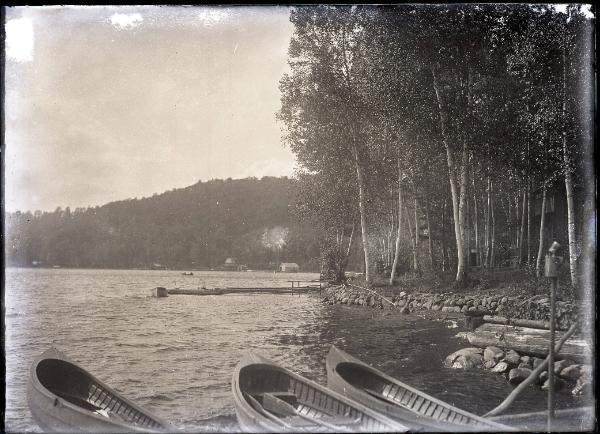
{"points": [[282, 403], [276, 403]]}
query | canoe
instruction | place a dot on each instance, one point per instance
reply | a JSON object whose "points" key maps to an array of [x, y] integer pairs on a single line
{"points": [[64, 397], [270, 398], [581, 419], [399, 401]]}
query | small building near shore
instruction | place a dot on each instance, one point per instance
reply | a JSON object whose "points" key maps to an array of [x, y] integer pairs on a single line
{"points": [[230, 264], [289, 267]]}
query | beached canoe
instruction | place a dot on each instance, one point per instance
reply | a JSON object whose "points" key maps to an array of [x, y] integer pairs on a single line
{"points": [[580, 419], [269, 398], [419, 411], [63, 397]]}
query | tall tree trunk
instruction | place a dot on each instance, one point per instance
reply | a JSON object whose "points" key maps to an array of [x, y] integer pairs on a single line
{"points": [[467, 230], [363, 214], [412, 240], [476, 224], [444, 236], [488, 216], [540, 254], [397, 252], [493, 240], [429, 232], [522, 229], [568, 178], [349, 250], [416, 250], [457, 196], [528, 221]]}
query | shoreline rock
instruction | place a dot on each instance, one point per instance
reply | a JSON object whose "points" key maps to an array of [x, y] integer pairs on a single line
{"points": [[522, 307]]}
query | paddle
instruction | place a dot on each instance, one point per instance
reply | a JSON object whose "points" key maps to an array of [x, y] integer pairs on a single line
{"points": [[274, 403]]}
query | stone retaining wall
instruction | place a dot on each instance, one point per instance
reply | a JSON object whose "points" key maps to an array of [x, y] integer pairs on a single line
{"points": [[524, 307]]}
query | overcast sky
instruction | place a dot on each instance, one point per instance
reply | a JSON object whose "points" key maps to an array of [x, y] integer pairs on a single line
{"points": [[112, 103]]}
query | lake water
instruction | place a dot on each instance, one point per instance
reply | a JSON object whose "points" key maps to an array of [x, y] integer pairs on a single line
{"points": [[175, 355]]}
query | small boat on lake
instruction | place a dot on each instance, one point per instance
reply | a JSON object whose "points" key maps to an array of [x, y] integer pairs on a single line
{"points": [[159, 291], [187, 273], [399, 401], [63, 397], [269, 398]]}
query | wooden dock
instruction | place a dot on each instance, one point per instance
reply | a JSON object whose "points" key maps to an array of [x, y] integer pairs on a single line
{"points": [[295, 288]]}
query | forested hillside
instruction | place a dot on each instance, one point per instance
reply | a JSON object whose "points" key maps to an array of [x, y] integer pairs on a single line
{"points": [[194, 227]]}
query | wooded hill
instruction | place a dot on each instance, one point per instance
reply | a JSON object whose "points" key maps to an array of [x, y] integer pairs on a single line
{"points": [[196, 227]]}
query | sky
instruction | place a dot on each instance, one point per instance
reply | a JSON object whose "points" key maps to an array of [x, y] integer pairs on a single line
{"points": [[110, 103]]}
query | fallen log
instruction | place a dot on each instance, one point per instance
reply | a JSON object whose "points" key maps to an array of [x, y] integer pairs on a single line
{"points": [[531, 323], [527, 341]]}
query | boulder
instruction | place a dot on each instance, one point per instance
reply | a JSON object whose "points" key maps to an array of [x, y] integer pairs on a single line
{"points": [[518, 375], [494, 354], [571, 372], [536, 362], [489, 364], [584, 382], [543, 377], [500, 368], [465, 358], [512, 358], [558, 383], [526, 360], [561, 364]]}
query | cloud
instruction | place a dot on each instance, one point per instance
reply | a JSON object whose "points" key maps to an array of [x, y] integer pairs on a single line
{"points": [[19, 39], [210, 16], [270, 167], [126, 21]]}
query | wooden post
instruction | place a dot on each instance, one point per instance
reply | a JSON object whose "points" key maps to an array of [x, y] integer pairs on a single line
{"points": [[551, 270], [551, 353]]}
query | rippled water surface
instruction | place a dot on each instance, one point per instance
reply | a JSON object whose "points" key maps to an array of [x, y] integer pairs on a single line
{"points": [[175, 355]]}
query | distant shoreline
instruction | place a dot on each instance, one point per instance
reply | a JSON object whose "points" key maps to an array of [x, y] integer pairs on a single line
{"points": [[150, 269]]}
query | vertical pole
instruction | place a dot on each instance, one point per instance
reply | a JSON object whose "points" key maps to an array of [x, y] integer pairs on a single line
{"points": [[551, 353]]}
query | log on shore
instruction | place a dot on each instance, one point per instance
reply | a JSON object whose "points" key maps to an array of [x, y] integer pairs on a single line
{"points": [[531, 323], [527, 341]]}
